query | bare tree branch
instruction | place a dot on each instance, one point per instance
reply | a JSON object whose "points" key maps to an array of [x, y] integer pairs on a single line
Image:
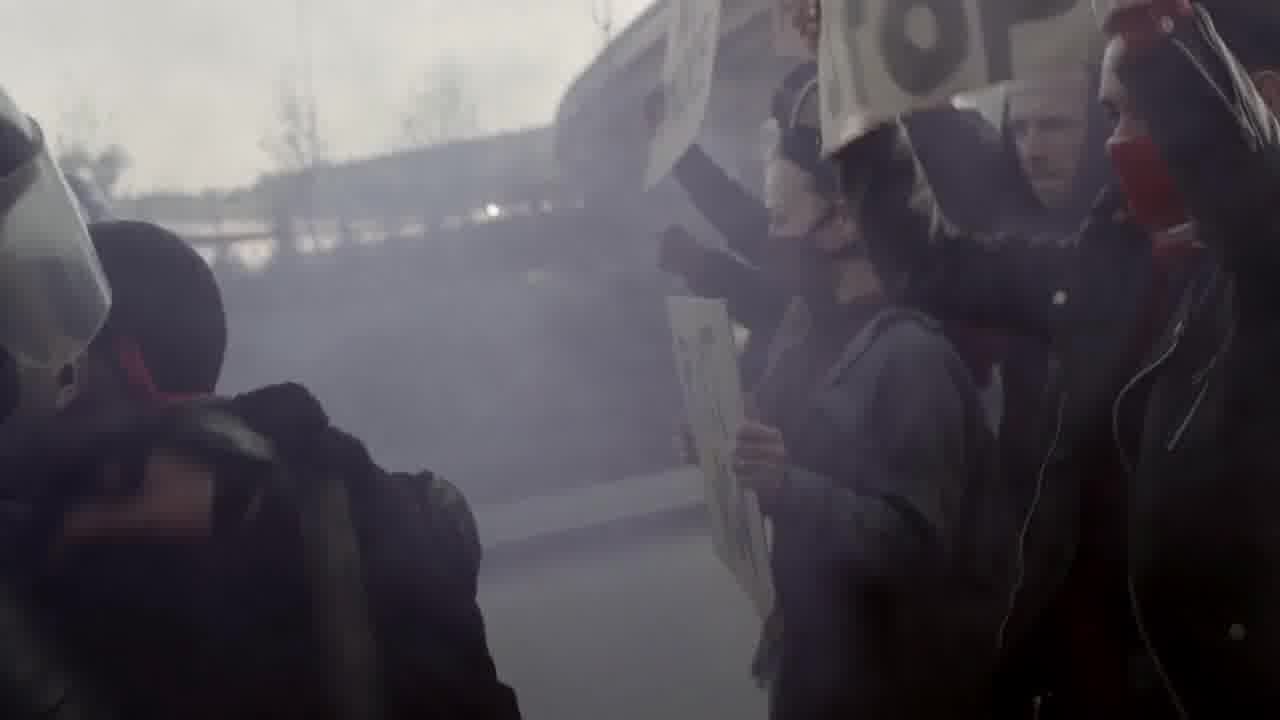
{"points": [[442, 109], [602, 17], [298, 148], [81, 150], [296, 144]]}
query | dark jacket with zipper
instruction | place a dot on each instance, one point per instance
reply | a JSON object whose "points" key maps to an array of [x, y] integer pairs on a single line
{"points": [[1187, 419]]}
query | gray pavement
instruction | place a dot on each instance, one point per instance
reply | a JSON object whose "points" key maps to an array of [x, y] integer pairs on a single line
{"points": [[615, 617], [593, 506], [658, 629]]}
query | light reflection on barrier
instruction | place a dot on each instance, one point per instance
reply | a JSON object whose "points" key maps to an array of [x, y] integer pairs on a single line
{"points": [[252, 246]]}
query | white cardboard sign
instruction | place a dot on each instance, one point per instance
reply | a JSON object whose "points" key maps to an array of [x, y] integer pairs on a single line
{"points": [[706, 359], [692, 38]]}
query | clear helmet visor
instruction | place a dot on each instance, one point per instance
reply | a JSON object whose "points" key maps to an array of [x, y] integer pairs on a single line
{"points": [[53, 295]]}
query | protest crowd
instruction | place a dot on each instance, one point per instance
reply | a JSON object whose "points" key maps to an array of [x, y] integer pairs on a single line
{"points": [[983, 408]]}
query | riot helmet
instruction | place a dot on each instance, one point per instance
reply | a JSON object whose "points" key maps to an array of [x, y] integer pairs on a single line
{"points": [[91, 201], [53, 294]]}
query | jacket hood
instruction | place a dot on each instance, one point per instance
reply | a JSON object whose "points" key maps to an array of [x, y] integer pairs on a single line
{"points": [[954, 147], [1092, 175]]}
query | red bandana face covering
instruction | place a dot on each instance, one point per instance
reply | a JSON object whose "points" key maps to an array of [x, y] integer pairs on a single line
{"points": [[1145, 177], [1153, 198]]}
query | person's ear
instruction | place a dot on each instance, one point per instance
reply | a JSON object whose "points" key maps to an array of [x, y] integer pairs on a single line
{"points": [[1268, 84]]}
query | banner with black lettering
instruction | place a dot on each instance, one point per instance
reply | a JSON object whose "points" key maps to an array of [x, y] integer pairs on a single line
{"points": [[707, 362], [880, 58], [692, 37]]}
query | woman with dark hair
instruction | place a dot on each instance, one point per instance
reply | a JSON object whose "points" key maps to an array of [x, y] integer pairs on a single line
{"points": [[1153, 510]]}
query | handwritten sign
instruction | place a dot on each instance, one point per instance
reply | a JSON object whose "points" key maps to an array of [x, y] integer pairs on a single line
{"points": [[880, 58], [706, 359], [692, 38]]}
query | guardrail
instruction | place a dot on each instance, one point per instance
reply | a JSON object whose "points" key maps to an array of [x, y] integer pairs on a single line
{"points": [[541, 529]]}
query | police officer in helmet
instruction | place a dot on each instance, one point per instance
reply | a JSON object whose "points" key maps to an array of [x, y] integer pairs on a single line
{"points": [[53, 300], [53, 295]]}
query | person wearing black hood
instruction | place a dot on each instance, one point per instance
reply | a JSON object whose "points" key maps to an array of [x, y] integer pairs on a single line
{"points": [[189, 577], [1150, 539], [1053, 135], [872, 457]]}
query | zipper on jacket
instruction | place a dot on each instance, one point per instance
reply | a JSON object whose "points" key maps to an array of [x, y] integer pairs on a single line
{"points": [[1020, 557], [1201, 378], [1129, 386], [1135, 605]]}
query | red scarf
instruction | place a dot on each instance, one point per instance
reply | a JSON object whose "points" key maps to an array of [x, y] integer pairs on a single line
{"points": [[138, 375]]}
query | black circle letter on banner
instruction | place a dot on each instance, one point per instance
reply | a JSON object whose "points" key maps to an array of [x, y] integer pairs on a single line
{"points": [[920, 71]]}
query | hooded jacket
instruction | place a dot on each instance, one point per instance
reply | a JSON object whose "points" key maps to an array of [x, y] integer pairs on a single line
{"points": [[1185, 422], [883, 568], [1024, 211]]}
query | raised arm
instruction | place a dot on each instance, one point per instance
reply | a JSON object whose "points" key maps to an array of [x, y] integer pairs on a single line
{"points": [[733, 211], [1001, 281], [1217, 135]]}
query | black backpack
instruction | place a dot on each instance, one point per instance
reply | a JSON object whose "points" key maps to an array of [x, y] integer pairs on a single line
{"points": [[329, 588]]}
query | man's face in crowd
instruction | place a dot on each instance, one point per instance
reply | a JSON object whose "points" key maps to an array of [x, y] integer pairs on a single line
{"points": [[1049, 121]]}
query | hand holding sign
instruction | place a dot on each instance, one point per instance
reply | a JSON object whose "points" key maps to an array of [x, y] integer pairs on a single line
{"points": [[759, 457], [880, 58], [707, 364]]}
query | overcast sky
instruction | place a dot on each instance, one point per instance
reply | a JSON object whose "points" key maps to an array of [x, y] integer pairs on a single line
{"points": [[189, 86]]}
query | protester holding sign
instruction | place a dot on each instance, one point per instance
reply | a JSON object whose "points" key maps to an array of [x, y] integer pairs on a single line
{"points": [[871, 456], [1160, 313]]}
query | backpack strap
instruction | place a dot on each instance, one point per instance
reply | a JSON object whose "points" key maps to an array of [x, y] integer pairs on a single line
{"points": [[335, 573], [317, 472]]}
